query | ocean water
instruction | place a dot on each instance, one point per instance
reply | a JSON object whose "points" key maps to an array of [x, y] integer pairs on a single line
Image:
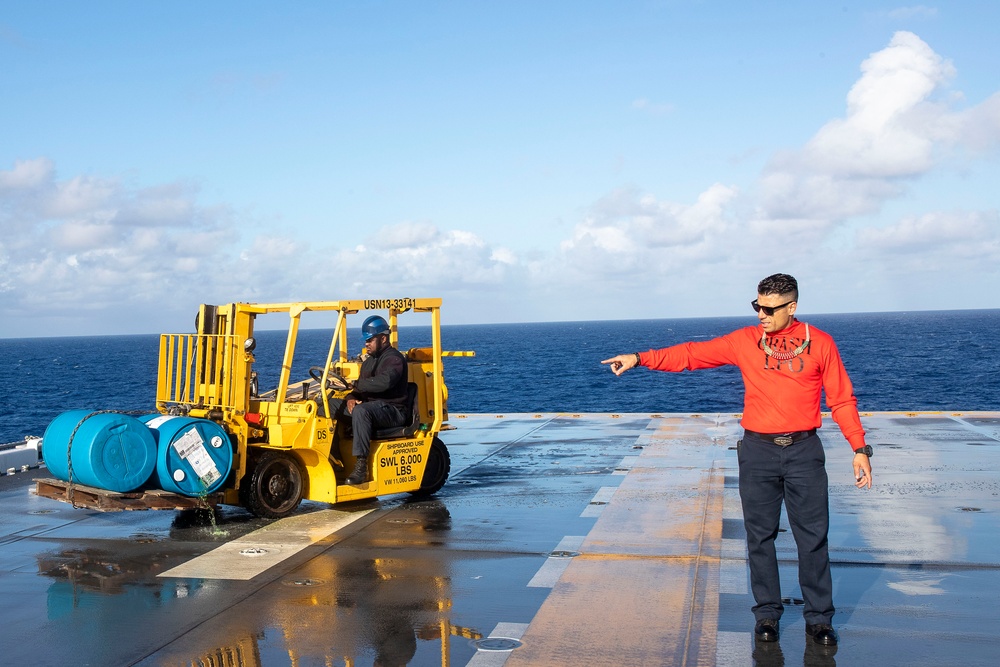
{"points": [[943, 360]]}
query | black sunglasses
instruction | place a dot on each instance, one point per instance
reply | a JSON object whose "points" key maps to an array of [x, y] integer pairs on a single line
{"points": [[768, 310]]}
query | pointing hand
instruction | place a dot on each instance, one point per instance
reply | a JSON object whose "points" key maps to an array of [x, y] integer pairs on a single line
{"points": [[622, 363]]}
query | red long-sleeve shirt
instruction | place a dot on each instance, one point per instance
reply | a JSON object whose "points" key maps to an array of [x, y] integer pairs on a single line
{"points": [[779, 396]]}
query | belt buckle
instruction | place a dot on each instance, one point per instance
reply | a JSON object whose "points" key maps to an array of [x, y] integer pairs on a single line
{"points": [[783, 440]]}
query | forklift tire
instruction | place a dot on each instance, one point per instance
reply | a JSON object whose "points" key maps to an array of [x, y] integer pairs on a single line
{"points": [[436, 472], [274, 489]]}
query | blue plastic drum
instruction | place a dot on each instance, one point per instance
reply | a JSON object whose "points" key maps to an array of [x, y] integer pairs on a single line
{"points": [[193, 456], [105, 449]]}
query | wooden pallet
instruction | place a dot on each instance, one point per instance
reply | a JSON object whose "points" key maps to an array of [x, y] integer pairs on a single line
{"points": [[102, 500]]}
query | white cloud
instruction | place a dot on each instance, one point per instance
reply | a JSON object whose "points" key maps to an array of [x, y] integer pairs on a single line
{"points": [[900, 124], [26, 175], [134, 257], [95, 244], [878, 137], [430, 260], [503, 256], [82, 196], [961, 235], [79, 234], [881, 135], [405, 234], [625, 226], [978, 129], [794, 199], [165, 205], [269, 249], [894, 131]]}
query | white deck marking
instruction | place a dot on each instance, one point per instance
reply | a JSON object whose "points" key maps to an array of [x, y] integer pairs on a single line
{"points": [[732, 508], [498, 658], [553, 567], [626, 464], [733, 649], [988, 432], [734, 577], [600, 499], [571, 543], [734, 548], [274, 542]]}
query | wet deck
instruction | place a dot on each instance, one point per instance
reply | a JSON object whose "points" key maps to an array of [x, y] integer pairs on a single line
{"points": [[560, 540]]}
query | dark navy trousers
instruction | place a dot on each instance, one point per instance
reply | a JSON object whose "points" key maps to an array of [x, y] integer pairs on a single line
{"points": [[368, 416], [796, 475]]}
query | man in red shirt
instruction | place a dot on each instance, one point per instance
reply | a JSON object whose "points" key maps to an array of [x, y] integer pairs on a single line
{"points": [[786, 365]]}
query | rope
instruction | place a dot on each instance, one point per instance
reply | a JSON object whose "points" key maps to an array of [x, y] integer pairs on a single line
{"points": [[69, 452]]}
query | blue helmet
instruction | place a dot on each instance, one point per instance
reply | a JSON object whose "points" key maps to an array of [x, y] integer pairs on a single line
{"points": [[374, 326]]}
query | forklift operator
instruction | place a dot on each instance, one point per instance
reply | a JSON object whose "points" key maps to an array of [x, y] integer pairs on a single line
{"points": [[378, 398]]}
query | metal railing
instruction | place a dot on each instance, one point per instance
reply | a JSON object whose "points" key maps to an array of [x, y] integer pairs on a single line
{"points": [[193, 370]]}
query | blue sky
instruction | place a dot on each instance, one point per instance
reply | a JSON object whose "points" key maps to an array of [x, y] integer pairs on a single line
{"points": [[525, 161]]}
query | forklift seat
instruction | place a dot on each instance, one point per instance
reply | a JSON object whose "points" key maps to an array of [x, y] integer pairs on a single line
{"points": [[412, 409]]}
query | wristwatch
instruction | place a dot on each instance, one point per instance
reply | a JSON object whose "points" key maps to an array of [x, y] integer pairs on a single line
{"points": [[866, 450]]}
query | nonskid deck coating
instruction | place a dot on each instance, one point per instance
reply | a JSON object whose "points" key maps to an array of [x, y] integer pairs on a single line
{"points": [[589, 539]]}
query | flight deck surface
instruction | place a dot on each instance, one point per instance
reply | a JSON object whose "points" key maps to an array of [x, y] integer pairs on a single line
{"points": [[560, 539]]}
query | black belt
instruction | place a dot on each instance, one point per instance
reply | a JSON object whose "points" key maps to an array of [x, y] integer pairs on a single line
{"points": [[783, 439]]}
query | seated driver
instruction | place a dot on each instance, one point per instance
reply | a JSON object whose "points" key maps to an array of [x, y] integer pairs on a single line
{"points": [[378, 397]]}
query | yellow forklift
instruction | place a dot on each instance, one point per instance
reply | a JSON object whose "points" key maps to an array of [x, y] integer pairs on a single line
{"points": [[291, 443]]}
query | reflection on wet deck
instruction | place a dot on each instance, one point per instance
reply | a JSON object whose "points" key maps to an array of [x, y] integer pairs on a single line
{"points": [[560, 540]]}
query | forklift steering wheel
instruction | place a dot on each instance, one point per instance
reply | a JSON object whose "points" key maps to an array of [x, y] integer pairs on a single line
{"points": [[334, 381]]}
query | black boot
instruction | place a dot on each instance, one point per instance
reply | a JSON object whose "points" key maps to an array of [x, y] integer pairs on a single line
{"points": [[766, 630], [822, 633], [360, 473]]}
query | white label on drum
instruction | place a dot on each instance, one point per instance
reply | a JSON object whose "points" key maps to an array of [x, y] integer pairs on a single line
{"points": [[191, 448], [156, 421]]}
